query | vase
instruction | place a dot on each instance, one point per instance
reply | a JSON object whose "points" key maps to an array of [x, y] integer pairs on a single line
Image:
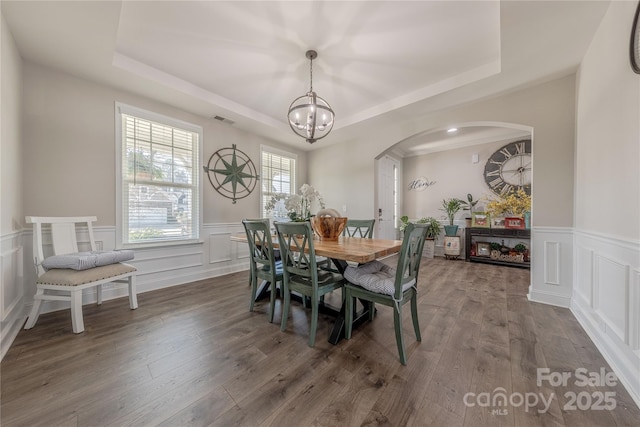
{"points": [[328, 227], [450, 230]]}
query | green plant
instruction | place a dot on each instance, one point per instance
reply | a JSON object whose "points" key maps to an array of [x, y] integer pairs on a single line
{"points": [[520, 248], [495, 246], [404, 221], [433, 230], [469, 204], [451, 207]]}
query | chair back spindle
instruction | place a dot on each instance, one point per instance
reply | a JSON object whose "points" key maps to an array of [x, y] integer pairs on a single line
{"points": [[264, 264], [359, 228]]}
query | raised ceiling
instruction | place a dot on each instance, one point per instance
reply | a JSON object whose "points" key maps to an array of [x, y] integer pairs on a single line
{"points": [[245, 60]]}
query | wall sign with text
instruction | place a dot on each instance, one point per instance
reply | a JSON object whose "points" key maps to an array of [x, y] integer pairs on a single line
{"points": [[420, 184]]}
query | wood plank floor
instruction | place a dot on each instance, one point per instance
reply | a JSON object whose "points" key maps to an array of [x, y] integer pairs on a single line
{"points": [[195, 355]]}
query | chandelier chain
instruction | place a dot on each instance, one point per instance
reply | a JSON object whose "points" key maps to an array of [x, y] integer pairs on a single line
{"points": [[311, 74]]}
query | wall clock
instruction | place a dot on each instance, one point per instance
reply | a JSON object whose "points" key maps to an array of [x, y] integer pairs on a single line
{"points": [[231, 173], [509, 168], [634, 47]]}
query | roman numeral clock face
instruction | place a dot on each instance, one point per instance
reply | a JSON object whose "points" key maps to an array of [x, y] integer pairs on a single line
{"points": [[509, 168]]}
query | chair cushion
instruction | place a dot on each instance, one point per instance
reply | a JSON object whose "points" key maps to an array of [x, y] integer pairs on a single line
{"points": [[266, 267], [86, 260], [375, 276], [69, 277]]}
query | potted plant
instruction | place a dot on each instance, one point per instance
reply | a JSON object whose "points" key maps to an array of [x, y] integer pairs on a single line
{"points": [[451, 207], [468, 205], [433, 231]]}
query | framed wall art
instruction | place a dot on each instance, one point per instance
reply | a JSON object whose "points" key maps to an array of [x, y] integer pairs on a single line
{"points": [[497, 222], [514, 223], [483, 249], [480, 219]]}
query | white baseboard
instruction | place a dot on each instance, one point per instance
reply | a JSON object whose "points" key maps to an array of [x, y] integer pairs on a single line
{"points": [[626, 366], [549, 298]]}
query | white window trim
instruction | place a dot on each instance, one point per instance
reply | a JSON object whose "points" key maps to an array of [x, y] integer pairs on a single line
{"points": [[282, 153], [121, 108]]}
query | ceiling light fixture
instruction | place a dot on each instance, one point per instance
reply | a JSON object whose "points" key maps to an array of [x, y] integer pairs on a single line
{"points": [[451, 130], [310, 116]]}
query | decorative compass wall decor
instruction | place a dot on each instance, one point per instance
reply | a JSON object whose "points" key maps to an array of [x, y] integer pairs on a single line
{"points": [[231, 173]]}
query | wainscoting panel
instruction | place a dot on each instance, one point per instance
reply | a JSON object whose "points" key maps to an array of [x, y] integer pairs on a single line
{"points": [[11, 288], [219, 247], [634, 312], [612, 319], [551, 265], [241, 249], [12, 271], [611, 295], [583, 285]]}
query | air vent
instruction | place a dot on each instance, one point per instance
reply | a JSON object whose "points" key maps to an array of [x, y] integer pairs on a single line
{"points": [[224, 120]]}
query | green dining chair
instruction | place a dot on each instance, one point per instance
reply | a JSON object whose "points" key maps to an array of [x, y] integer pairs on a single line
{"points": [[263, 260], [301, 272], [359, 228], [378, 283]]}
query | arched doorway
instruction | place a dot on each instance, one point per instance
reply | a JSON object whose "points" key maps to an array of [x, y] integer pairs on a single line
{"points": [[438, 163]]}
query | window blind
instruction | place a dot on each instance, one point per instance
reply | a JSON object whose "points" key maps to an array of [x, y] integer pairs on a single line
{"points": [[278, 177], [160, 180]]}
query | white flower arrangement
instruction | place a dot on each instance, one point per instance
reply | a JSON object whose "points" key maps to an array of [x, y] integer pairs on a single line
{"points": [[298, 206]]}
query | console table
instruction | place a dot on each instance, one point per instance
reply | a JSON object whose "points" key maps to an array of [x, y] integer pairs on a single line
{"points": [[474, 235]]}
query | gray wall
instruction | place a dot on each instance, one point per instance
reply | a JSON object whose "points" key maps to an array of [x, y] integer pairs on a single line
{"points": [[607, 193], [548, 108], [455, 175], [11, 194], [69, 142]]}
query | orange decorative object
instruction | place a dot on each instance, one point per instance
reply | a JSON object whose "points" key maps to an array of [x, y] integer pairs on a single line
{"points": [[328, 227], [514, 223]]}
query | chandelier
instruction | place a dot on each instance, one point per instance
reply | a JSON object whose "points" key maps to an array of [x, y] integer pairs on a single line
{"points": [[310, 116]]}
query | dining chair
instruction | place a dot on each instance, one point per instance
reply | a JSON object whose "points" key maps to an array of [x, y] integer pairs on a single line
{"points": [[263, 263], [64, 272], [377, 282], [359, 228], [301, 272]]}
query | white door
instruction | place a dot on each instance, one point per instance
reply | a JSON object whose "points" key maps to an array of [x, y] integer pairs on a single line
{"points": [[388, 198]]}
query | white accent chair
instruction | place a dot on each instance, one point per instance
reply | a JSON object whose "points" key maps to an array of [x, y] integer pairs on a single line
{"points": [[51, 283]]}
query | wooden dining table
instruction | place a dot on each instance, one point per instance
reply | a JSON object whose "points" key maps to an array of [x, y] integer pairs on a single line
{"points": [[355, 249]]}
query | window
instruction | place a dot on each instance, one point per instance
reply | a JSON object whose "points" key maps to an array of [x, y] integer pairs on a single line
{"points": [[278, 177], [158, 188]]}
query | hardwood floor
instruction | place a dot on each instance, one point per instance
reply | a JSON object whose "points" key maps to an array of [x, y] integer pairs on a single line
{"points": [[195, 355]]}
